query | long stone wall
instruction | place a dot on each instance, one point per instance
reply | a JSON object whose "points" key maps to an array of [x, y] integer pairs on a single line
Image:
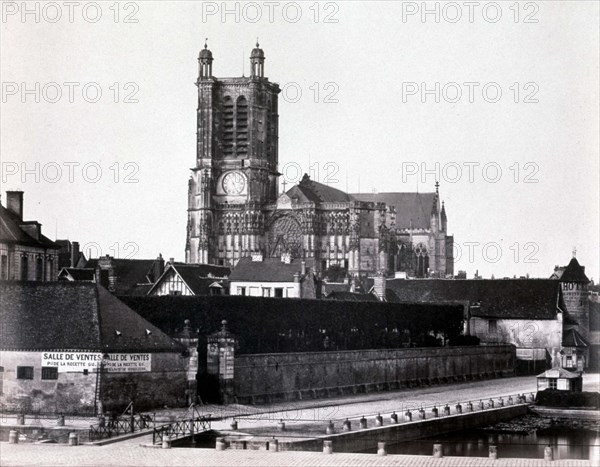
{"points": [[262, 378]]}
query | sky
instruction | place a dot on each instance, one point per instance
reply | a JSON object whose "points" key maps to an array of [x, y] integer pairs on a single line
{"points": [[497, 101]]}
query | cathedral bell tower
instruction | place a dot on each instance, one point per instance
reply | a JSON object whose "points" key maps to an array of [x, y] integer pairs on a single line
{"points": [[235, 175]]}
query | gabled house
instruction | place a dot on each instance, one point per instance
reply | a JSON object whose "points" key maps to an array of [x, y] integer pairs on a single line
{"points": [[527, 313], [192, 279], [25, 253], [274, 277], [73, 347], [121, 276]]}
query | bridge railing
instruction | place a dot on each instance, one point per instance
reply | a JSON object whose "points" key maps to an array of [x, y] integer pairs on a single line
{"points": [[120, 425], [181, 428], [408, 412]]}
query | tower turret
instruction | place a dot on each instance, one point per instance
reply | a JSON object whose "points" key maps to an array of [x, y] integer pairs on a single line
{"points": [[257, 62], [444, 218], [574, 286], [205, 60]]}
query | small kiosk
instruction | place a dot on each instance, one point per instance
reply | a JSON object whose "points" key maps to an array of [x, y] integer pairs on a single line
{"points": [[561, 379]]}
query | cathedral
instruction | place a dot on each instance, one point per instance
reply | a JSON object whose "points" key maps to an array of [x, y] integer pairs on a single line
{"points": [[235, 208]]}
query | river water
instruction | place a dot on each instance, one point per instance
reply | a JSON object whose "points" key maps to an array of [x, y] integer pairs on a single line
{"points": [[568, 443]]}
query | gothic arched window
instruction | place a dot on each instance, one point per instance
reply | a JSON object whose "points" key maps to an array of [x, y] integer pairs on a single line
{"points": [[227, 126], [241, 126], [285, 236], [422, 260]]}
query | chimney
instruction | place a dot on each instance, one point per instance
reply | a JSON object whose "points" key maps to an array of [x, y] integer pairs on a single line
{"points": [[379, 286], [74, 254], [14, 202], [158, 267]]}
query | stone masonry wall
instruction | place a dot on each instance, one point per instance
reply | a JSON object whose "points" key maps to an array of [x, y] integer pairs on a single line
{"points": [[264, 378]]}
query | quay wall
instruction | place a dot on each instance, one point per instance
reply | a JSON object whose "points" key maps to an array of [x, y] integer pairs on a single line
{"points": [[266, 378]]}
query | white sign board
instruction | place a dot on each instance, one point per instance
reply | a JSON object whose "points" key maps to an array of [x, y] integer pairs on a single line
{"points": [[111, 363]]}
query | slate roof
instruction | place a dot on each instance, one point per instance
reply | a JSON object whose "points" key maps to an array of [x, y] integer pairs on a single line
{"points": [[562, 373], [501, 298], [116, 316], [11, 232], [574, 272], [413, 210], [76, 316], [351, 297], [130, 273], [571, 338], [196, 276], [310, 191], [267, 270], [77, 274], [330, 287]]}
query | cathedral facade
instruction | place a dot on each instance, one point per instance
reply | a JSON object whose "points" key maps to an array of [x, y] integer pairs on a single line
{"points": [[235, 209]]}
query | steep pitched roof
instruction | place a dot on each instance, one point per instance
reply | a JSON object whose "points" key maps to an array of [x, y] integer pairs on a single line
{"points": [[574, 272], [310, 191], [558, 372], [512, 299], [571, 338], [77, 274], [267, 270], [73, 316], [133, 329], [130, 273], [413, 210], [198, 277], [49, 315], [11, 231]]}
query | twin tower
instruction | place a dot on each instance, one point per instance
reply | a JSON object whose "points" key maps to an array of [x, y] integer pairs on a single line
{"points": [[236, 162]]}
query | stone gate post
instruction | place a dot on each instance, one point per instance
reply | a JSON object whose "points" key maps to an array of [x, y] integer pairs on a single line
{"points": [[220, 357]]}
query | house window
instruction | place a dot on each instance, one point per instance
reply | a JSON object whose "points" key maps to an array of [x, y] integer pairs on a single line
{"points": [[266, 292], [49, 372], [241, 290], [552, 384], [569, 362], [39, 269], [175, 292], [279, 292], [492, 326], [24, 268], [50, 270], [24, 372], [4, 267]]}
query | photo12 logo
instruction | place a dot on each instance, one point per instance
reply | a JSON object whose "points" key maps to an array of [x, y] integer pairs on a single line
{"points": [[319, 93], [71, 172], [326, 173], [470, 172], [127, 250], [470, 91], [493, 252], [470, 12], [271, 12], [70, 12], [69, 91]]}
